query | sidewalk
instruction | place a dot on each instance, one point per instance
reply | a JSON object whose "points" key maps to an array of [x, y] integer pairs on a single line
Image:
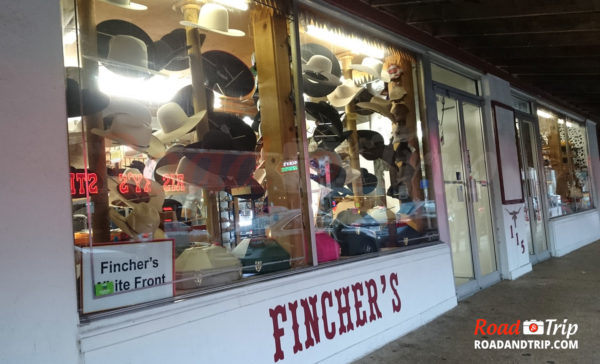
{"points": [[567, 287]]}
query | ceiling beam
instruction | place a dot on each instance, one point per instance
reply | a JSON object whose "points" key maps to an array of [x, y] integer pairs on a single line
{"points": [[488, 9], [590, 38], [538, 52], [554, 67], [535, 25]]}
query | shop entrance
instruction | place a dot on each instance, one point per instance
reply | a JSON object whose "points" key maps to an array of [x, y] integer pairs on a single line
{"points": [[538, 248], [466, 188]]}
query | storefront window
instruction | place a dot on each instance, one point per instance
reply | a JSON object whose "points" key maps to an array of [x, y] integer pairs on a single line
{"points": [[369, 162], [565, 153], [183, 148]]}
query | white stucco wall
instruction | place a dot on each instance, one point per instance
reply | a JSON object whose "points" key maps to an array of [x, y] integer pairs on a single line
{"points": [[38, 314]]}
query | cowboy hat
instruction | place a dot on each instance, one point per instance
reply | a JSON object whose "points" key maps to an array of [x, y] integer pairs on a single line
{"points": [[378, 105], [397, 93], [368, 182], [123, 49], [318, 162], [369, 65], [167, 165], [127, 122], [261, 255], [209, 263], [189, 172], [370, 144], [317, 70], [317, 89], [226, 74], [170, 51], [84, 102], [343, 94], [252, 191], [214, 18], [126, 4], [143, 219], [174, 122], [242, 136]]}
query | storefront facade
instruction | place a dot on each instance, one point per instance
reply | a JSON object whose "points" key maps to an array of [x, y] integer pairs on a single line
{"points": [[391, 158]]}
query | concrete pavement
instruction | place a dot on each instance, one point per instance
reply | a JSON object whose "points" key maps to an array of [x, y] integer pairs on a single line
{"points": [[559, 288]]}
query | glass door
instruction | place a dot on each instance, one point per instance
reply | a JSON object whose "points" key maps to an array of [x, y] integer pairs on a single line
{"points": [[538, 249], [467, 195]]}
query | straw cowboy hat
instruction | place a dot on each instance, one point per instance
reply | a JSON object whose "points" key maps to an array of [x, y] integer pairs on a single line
{"points": [[206, 265], [174, 122], [127, 122], [226, 74], [138, 190], [378, 105], [143, 219], [126, 4], [343, 94], [319, 89], [214, 18], [397, 93]]}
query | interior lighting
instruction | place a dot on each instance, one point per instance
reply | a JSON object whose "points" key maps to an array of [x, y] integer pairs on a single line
{"points": [[355, 45], [234, 4], [569, 124], [561, 121], [544, 114], [69, 37], [157, 89], [248, 120]]}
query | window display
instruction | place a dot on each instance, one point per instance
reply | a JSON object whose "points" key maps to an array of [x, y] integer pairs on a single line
{"points": [[369, 165], [565, 154], [169, 144]]}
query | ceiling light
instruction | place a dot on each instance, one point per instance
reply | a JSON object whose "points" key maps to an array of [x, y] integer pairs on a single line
{"points": [[561, 121], [544, 114], [354, 44]]}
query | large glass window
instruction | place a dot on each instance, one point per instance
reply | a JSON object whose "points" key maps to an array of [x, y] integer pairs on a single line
{"points": [[565, 153], [183, 148], [369, 161]]}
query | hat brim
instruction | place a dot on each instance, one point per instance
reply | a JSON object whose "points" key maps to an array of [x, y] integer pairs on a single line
{"points": [[229, 32], [339, 102], [154, 149], [377, 108], [121, 223], [330, 78], [131, 6], [126, 69], [182, 130], [195, 175], [365, 69]]}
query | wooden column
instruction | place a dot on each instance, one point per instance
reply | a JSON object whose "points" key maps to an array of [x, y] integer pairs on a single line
{"points": [[95, 143], [277, 114], [190, 10], [350, 124]]}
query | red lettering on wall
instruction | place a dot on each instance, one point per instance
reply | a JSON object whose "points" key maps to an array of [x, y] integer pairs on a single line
{"points": [[72, 178], [361, 315], [329, 334], [278, 332], [92, 183], [396, 303], [123, 187], [311, 321], [293, 306], [372, 298], [344, 309], [173, 182]]}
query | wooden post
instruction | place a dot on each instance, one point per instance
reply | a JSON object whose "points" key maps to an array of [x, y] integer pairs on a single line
{"points": [[190, 10], [277, 115], [353, 140], [95, 143]]}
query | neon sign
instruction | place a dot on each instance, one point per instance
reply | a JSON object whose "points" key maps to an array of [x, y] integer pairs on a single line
{"points": [[141, 184], [289, 166], [173, 182], [79, 182]]}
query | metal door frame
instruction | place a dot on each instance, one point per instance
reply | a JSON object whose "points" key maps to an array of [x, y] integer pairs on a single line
{"points": [[521, 117], [480, 281]]}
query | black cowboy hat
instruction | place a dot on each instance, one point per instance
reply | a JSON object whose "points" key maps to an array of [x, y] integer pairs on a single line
{"points": [[370, 144], [226, 74], [84, 102], [242, 135], [170, 52], [369, 181], [185, 98]]}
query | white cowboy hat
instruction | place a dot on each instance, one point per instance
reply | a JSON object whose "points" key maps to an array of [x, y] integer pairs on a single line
{"points": [[194, 174], [126, 4], [143, 219], [214, 18], [318, 70], [127, 55], [372, 66], [156, 192], [174, 122], [343, 94], [378, 105], [130, 125]]}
